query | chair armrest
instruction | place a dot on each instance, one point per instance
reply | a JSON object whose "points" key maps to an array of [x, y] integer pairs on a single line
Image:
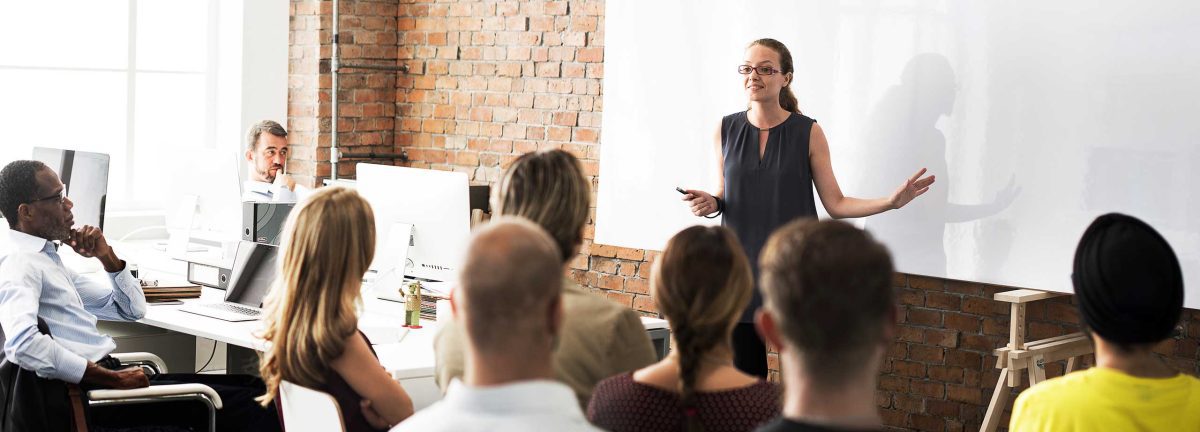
{"points": [[159, 391], [142, 359]]}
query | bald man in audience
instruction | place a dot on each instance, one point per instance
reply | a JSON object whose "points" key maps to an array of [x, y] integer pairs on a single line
{"points": [[509, 301]]}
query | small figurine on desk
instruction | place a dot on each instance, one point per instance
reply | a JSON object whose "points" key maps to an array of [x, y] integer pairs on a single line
{"points": [[412, 305]]}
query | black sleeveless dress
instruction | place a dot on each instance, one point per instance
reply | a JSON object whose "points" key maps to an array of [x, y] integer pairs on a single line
{"points": [[348, 399], [762, 194]]}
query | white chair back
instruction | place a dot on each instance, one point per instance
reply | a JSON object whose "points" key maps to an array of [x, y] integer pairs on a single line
{"points": [[305, 409]]}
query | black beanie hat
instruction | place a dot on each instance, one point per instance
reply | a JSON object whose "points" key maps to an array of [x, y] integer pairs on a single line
{"points": [[1128, 281]]}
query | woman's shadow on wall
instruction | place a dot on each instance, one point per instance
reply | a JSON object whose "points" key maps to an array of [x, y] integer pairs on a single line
{"points": [[901, 138]]}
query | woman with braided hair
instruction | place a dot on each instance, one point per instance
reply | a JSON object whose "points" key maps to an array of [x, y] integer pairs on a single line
{"points": [[701, 283]]}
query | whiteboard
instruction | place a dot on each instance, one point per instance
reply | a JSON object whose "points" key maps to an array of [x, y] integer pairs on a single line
{"points": [[1035, 116]]}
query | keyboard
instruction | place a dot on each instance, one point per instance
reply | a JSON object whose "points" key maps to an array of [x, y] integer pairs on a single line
{"points": [[234, 308]]}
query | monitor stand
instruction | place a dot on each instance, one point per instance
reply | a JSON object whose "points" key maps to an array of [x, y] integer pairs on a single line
{"points": [[390, 278]]}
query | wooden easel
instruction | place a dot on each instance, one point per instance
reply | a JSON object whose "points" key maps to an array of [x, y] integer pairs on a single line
{"points": [[1031, 357]]}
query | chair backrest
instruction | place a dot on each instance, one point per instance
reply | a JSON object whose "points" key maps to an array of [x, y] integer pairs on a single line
{"points": [[32, 403], [304, 409]]}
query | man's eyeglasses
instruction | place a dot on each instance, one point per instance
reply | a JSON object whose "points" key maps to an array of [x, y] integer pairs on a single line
{"points": [[762, 70], [58, 197]]}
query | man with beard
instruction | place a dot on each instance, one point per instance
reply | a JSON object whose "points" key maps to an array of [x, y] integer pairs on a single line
{"points": [[267, 153]]}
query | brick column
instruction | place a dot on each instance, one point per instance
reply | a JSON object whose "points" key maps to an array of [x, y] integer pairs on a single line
{"points": [[493, 80], [366, 108]]}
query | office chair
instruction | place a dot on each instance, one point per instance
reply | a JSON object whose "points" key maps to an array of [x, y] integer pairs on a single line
{"points": [[303, 409], [31, 403]]}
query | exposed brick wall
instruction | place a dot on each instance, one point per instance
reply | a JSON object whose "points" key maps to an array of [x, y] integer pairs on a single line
{"points": [[494, 79], [367, 109], [940, 373]]}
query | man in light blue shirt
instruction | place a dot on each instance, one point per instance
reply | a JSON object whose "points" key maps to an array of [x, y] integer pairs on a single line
{"points": [[35, 284]]}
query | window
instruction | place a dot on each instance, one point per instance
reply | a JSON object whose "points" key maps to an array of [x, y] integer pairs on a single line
{"points": [[136, 79]]}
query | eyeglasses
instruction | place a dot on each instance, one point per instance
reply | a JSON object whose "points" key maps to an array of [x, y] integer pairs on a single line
{"points": [[56, 197], [762, 70]]}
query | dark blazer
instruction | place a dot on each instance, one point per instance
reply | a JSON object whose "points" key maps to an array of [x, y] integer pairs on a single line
{"points": [[29, 402]]}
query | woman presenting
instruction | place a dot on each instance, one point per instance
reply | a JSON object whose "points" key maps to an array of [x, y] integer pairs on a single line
{"points": [[770, 155]]}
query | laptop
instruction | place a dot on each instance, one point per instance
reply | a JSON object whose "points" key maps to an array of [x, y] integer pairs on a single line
{"points": [[254, 272]]}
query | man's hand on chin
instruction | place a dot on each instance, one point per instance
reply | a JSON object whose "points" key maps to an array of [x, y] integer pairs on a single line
{"points": [[286, 181], [89, 242]]}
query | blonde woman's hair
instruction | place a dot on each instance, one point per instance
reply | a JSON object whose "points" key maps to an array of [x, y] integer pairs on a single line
{"points": [[700, 283], [549, 188], [329, 241]]}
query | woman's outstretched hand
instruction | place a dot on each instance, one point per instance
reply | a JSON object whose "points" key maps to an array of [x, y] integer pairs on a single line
{"points": [[702, 203], [911, 189]]}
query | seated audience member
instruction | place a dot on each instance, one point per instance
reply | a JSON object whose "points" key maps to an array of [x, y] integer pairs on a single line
{"points": [[509, 305], [701, 283], [266, 156], [1130, 291], [829, 309], [35, 285], [600, 338], [312, 323], [267, 153]]}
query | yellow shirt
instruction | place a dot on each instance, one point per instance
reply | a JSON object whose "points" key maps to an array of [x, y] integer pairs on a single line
{"points": [[1101, 399]]}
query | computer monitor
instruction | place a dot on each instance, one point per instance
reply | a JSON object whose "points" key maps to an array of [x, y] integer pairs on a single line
{"points": [[85, 175], [206, 189], [437, 206], [204, 207], [254, 270]]}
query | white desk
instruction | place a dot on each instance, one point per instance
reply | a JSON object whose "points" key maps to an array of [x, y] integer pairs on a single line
{"points": [[381, 321], [407, 354]]}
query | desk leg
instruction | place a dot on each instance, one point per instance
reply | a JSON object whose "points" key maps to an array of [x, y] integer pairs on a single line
{"points": [[241, 361], [996, 406]]}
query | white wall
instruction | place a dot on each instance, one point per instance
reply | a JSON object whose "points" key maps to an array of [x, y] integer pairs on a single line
{"points": [[251, 72], [1035, 117], [254, 67]]}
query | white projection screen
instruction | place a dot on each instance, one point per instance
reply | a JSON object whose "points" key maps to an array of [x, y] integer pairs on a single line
{"points": [[1035, 116]]}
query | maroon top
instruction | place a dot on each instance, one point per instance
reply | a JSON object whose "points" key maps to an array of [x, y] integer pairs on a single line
{"points": [[620, 404], [347, 399]]}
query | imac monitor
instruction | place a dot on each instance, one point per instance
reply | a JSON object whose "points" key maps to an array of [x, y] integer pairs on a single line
{"points": [[85, 175], [437, 206], [204, 207], [207, 190]]}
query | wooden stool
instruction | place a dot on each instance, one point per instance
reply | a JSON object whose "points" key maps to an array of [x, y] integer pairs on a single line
{"points": [[1031, 357]]}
